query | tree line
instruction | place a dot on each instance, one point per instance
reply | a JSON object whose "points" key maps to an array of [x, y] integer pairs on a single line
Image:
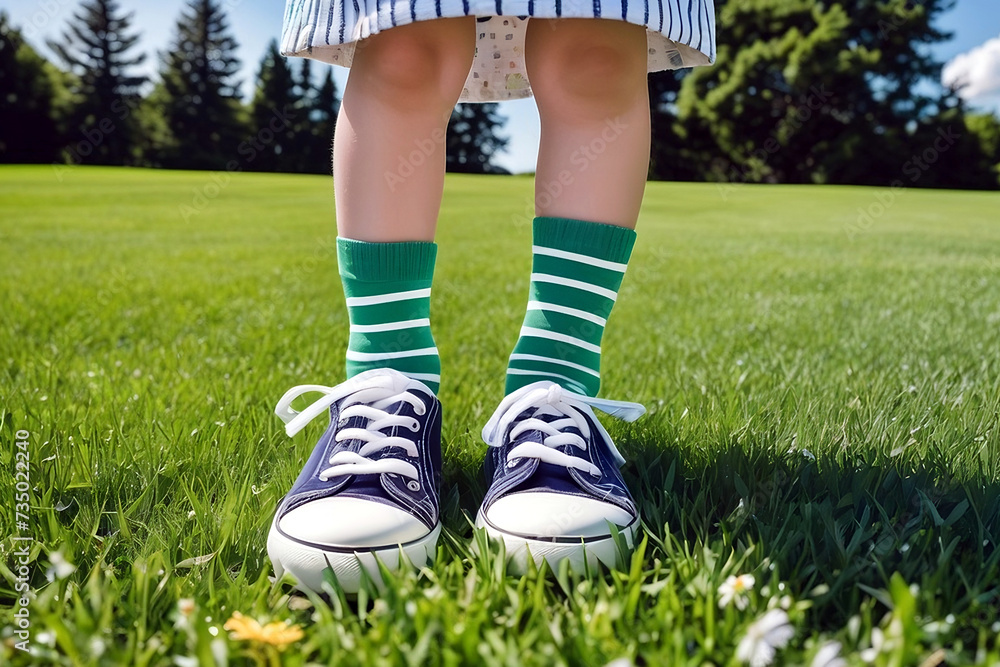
{"points": [[93, 107], [842, 92]]}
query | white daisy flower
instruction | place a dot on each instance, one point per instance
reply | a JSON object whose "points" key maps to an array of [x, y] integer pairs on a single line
{"points": [[185, 606], [621, 662], [734, 590], [828, 656], [764, 636], [878, 642], [61, 568]]}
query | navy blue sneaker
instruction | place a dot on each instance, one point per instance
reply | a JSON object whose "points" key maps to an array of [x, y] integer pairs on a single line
{"points": [[370, 490], [555, 490]]}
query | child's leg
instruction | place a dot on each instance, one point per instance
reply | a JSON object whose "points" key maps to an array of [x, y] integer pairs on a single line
{"points": [[555, 485], [389, 152], [389, 159], [370, 490], [589, 80]]}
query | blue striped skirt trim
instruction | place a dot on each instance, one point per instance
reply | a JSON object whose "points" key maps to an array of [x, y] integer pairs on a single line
{"points": [[679, 33]]}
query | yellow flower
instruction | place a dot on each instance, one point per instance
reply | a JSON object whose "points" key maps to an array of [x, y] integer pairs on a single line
{"points": [[277, 633], [734, 590]]}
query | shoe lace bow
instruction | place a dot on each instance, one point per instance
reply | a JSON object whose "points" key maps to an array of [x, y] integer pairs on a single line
{"points": [[552, 400], [368, 398]]}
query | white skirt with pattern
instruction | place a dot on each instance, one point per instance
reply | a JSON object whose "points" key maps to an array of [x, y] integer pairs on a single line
{"points": [[679, 33]]}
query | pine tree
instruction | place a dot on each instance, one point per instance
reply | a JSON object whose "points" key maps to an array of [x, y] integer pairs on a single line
{"points": [[304, 129], [472, 141], [326, 108], [275, 114], [664, 159], [28, 130], [202, 106], [811, 92], [95, 48], [304, 81]]}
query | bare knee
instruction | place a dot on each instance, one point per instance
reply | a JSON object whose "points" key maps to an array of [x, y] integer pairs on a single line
{"points": [[418, 65], [585, 65]]}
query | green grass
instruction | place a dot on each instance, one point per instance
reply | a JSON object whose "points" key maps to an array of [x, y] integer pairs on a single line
{"points": [[824, 414]]}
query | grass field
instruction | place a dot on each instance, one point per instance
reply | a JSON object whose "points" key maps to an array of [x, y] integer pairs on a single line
{"points": [[822, 368]]}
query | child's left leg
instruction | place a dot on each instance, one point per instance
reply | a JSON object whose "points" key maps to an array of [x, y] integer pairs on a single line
{"points": [[589, 81], [555, 487]]}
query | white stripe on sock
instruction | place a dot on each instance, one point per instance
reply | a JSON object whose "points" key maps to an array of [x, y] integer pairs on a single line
{"points": [[388, 298], [566, 310], [380, 356], [576, 257], [558, 362], [521, 371], [390, 326], [562, 338], [575, 284]]}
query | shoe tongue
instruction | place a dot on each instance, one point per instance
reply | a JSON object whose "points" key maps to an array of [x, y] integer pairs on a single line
{"points": [[551, 478]]}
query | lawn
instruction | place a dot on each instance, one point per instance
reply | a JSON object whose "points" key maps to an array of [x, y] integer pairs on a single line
{"points": [[821, 367]]}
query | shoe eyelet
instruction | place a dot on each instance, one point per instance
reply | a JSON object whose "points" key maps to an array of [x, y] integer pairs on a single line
{"points": [[415, 426], [420, 410], [413, 486], [512, 463]]}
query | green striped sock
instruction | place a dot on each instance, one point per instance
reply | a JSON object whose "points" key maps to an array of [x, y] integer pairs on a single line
{"points": [[388, 290], [576, 270]]}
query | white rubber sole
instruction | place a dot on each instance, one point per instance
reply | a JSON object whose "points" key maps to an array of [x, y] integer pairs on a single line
{"points": [[583, 554], [306, 563]]}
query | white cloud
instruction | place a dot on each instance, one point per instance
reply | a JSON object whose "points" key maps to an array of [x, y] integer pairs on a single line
{"points": [[977, 70]]}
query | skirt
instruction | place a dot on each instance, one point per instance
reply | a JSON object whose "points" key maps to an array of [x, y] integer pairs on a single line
{"points": [[679, 33]]}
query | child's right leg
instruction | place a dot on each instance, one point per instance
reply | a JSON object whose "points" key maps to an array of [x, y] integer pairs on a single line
{"points": [[365, 494]]}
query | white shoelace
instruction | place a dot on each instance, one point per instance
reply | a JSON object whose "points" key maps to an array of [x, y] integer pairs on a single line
{"points": [[367, 397], [550, 399]]}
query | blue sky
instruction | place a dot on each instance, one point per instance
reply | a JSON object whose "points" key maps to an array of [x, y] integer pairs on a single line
{"points": [[255, 22]]}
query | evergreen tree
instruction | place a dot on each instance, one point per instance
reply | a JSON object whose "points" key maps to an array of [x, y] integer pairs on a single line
{"points": [[305, 144], [304, 81], [276, 114], [202, 106], [472, 141], [95, 48], [326, 107], [986, 128], [665, 161], [28, 130], [812, 92]]}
